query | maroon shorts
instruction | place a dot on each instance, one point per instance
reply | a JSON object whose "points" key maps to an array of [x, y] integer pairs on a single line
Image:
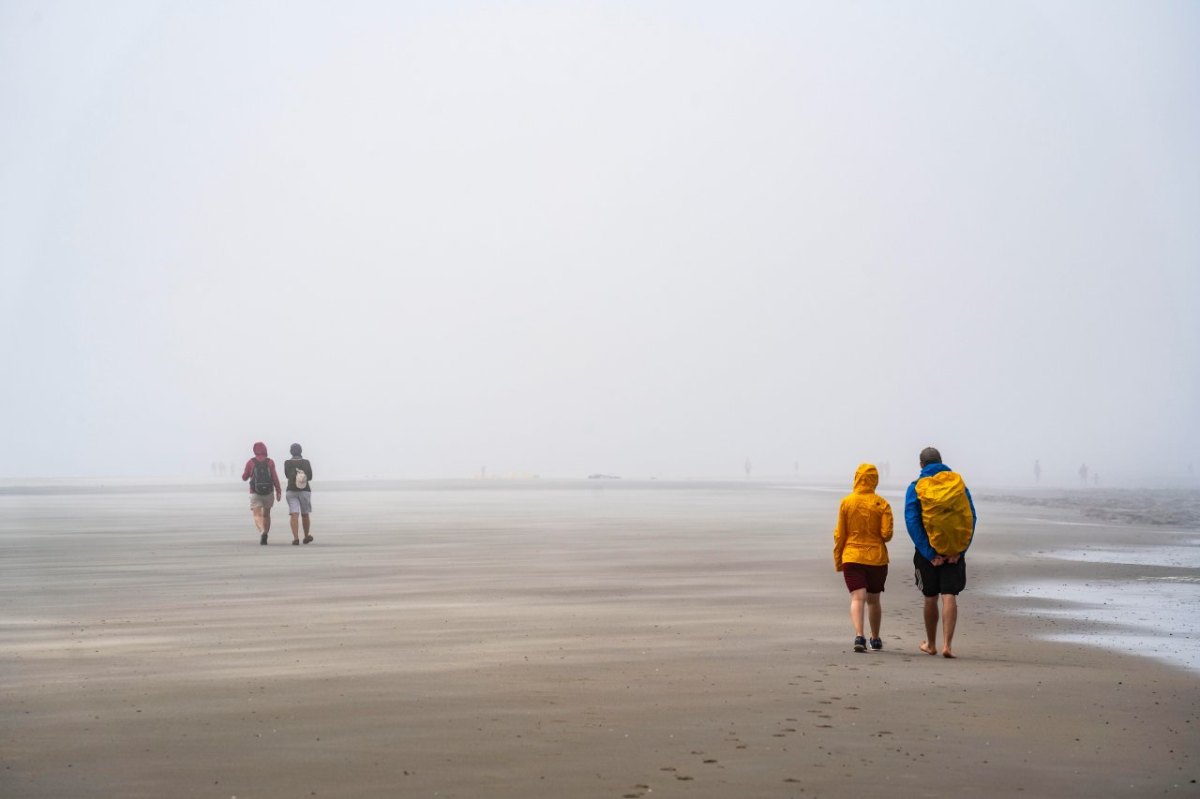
{"points": [[859, 576]]}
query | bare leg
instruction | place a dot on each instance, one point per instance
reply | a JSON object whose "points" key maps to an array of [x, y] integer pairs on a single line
{"points": [[295, 522], [949, 617], [929, 645], [874, 613], [266, 521], [856, 610], [304, 518], [256, 512]]}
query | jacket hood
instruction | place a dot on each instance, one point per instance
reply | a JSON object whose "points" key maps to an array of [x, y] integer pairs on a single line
{"points": [[866, 479], [934, 468], [260, 450]]}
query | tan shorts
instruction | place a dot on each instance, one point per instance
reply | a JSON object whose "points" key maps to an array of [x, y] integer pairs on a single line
{"points": [[266, 502]]}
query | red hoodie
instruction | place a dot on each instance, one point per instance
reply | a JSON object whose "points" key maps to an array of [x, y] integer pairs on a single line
{"points": [[260, 454]]}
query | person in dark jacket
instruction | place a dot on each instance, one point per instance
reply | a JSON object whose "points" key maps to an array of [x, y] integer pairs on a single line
{"points": [[264, 480], [298, 472]]}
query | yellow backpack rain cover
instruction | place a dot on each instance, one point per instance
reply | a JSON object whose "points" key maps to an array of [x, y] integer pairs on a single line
{"points": [[946, 512]]}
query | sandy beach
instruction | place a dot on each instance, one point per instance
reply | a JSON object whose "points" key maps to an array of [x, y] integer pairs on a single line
{"points": [[573, 639]]}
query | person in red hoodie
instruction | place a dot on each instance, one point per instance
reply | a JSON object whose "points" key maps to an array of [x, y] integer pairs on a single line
{"points": [[260, 472]]}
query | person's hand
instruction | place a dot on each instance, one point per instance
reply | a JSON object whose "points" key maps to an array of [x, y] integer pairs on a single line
{"points": [[278, 496], [938, 560], [952, 558]]}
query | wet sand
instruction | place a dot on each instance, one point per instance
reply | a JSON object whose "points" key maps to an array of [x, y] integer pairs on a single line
{"points": [[551, 640]]}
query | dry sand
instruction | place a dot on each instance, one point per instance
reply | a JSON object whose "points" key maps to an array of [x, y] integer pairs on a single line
{"points": [[547, 640]]}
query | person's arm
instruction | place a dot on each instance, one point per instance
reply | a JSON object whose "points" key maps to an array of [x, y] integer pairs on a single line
{"points": [[308, 470], [275, 480], [888, 524], [916, 527], [839, 537], [249, 470]]}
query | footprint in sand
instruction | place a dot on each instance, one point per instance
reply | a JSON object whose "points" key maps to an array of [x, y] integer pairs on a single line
{"points": [[683, 777]]}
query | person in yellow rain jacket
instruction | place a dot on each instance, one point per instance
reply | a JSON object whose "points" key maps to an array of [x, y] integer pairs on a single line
{"points": [[860, 552], [940, 516]]}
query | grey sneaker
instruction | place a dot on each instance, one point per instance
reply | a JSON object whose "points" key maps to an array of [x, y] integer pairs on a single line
{"points": [[876, 644]]}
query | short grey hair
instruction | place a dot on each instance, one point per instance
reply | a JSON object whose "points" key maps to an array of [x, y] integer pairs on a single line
{"points": [[930, 455]]}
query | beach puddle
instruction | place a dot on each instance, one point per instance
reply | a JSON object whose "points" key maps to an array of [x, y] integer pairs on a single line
{"points": [[1151, 616], [1186, 557]]}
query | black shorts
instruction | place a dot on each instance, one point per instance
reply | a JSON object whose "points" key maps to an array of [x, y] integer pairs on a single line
{"points": [[859, 575], [949, 578]]}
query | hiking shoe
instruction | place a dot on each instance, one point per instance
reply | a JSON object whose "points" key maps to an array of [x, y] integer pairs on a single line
{"points": [[295, 542], [860, 644], [308, 539], [263, 540], [876, 644]]}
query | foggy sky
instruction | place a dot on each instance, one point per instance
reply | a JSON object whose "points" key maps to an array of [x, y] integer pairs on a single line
{"points": [[649, 239]]}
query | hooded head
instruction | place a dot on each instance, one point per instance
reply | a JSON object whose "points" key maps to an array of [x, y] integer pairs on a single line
{"points": [[296, 450], [260, 450], [865, 479], [930, 455]]}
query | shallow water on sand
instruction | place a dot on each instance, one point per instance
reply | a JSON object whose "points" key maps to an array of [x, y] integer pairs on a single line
{"points": [[1151, 616]]}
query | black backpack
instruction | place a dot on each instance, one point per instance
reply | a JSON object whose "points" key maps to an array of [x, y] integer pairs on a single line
{"points": [[260, 479]]}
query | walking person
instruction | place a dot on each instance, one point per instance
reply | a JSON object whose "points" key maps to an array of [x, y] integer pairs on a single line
{"points": [[298, 472], [264, 482], [940, 516], [860, 553]]}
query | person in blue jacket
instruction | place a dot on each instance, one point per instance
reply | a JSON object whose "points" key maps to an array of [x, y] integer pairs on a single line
{"points": [[940, 516]]}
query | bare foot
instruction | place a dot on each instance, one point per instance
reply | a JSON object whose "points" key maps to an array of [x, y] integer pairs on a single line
{"points": [[946, 653], [927, 649]]}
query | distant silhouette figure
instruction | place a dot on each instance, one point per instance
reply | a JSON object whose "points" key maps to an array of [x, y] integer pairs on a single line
{"points": [[1037, 471], [1083, 473], [748, 467]]}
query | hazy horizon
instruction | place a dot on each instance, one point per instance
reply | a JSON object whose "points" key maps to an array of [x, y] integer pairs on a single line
{"points": [[649, 239]]}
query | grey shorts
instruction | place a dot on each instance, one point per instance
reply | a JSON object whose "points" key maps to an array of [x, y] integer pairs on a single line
{"points": [[264, 501], [299, 502]]}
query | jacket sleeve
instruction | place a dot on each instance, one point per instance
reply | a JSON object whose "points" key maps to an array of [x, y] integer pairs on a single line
{"points": [[248, 470], [275, 478], [916, 527], [308, 464], [839, 538], [887, 524]]}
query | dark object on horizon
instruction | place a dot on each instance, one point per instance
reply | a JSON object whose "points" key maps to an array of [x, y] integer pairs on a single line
{"points": [[599, 476]]}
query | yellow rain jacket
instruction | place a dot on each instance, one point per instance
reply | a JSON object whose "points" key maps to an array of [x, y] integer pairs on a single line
{"points": [[864, 523]]}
